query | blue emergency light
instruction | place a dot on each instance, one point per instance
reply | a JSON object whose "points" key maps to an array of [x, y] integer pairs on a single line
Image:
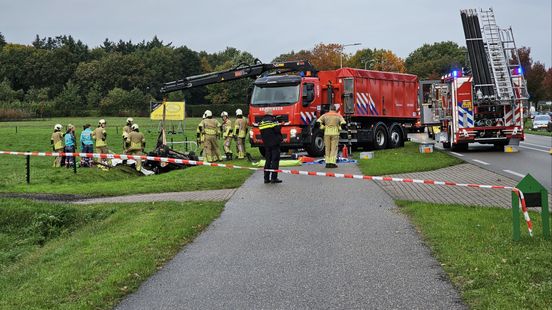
{"points": [[520, 70], [454, 73]]}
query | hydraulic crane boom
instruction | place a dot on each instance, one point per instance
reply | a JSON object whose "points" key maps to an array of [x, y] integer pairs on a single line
{"points": [[240, 72]]}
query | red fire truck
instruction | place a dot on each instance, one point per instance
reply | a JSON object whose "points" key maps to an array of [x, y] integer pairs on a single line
{"points": [[486, 104], [378, 106]]}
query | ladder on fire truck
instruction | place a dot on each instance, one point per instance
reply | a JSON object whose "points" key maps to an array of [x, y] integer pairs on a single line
{"points": [[503, 57]]}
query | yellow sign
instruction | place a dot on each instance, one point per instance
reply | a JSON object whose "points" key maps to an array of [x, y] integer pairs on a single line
{"points": [[174, 111], [466, 104]]}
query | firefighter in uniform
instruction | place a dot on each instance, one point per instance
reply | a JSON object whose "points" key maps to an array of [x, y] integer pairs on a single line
{"points": [[100, 135], [240, 131], [57, 142], [211, 129], [126, 131], [200, 139], [137, 143], [331, 123], [226, 129], [272, 138]]}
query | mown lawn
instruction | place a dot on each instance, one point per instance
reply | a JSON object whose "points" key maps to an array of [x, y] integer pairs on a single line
{"points": [[89, 257], [541, 132], [405, 159], [475, 248], [35, 136]]}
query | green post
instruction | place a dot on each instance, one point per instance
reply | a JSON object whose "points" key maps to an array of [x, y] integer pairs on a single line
{"points": [[535, 195], [515, 216]]}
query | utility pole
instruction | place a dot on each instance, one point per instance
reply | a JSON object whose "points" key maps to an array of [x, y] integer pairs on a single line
{"points": [[341, 54]]}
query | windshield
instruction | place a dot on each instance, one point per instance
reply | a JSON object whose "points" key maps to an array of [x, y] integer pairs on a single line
{"points": [[275, 95], [542, 117]]}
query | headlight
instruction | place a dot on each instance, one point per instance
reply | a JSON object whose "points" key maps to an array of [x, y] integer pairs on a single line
{"points": [[293, 133]]}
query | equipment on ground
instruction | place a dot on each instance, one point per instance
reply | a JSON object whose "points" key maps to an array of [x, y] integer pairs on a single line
{"points": [[378, 106], [486, 104]]}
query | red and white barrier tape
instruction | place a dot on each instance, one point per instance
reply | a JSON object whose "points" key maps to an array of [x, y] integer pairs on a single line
{"points": [[522, 204]]}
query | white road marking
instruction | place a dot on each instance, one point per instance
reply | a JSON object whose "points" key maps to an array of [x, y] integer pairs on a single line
{"points": [[514, 173], [481, 162], [532, 148], [539, 145], [457, 154]]}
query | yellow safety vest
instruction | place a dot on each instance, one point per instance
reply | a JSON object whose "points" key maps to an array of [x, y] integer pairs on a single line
{"points": [[59, 143], [227, 129], [136, 140], [99, 135]]}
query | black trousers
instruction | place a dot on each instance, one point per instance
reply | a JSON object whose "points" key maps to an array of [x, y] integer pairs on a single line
{"points": [[272, 156]]}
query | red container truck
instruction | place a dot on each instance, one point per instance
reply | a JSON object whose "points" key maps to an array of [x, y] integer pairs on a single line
{"points": [[378, 106]]}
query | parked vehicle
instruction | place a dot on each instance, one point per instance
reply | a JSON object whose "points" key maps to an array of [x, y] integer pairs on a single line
{"points": [[541, 122]]}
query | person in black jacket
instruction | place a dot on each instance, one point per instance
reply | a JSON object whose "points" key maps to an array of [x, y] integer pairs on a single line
{"points": [[272, 138]]}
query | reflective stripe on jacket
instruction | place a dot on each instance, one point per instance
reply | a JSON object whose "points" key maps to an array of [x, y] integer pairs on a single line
{"points": [[331, 123]]}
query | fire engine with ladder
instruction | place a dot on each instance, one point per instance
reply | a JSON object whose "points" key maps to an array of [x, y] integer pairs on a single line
{"points": [[486, 105], [378, 106]]}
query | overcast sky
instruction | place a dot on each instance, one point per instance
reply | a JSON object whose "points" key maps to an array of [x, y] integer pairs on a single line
{"points": [[269, 28]]}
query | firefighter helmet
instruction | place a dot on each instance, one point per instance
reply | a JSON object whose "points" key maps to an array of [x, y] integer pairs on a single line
{"points": [[208, 113], [102, 121], [239, 112], [134, 127], [130, 120], [223, 114], [58, 127]]}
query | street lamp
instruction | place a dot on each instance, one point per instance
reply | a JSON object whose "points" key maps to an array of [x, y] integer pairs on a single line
{"points": [[341, 54]]}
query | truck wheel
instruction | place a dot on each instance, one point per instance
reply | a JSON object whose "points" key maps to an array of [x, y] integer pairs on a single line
{"points": [[396, 136], [380, 136], [316, 147], [460, 147], [262, 151]]}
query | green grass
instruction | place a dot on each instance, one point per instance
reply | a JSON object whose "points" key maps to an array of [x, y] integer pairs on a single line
{"points": [[475, 248], [540, 132], [35, 136], [403, 160], [93, 255]]}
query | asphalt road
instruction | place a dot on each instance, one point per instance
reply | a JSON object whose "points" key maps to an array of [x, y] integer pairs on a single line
{"points": [[533, 157], [308, 243]]}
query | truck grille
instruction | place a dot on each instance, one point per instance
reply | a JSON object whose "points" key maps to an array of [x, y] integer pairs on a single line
{"points": [[281, 118]]}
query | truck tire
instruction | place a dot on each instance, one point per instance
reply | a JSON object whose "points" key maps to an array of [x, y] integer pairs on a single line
{"points": [[396, 136], [380, 136], [316, 147], [459, 147]]}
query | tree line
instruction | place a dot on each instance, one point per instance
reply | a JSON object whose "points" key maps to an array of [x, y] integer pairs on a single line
{"points": [[62, 76]]}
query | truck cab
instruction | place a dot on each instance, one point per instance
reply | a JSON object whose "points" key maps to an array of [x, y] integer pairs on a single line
{"points": [[294, 101]]}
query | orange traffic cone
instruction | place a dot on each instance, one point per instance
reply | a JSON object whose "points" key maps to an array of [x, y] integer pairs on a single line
{"points": [[345, 152]]}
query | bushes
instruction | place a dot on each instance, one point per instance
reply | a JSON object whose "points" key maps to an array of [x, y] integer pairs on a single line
{"points": [[121, 102], [197, 110]]}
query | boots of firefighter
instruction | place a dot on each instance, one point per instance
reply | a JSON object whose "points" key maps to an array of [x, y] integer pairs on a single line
{"points": [[274, 178], [267, 177], [228, 156], [241, 155]]}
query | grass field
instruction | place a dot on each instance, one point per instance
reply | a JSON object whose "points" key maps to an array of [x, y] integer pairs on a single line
{"points": [[475, 248], [403, 160], [88, 257], [35, 136]]}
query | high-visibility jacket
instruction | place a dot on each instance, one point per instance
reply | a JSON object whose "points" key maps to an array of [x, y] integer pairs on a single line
{"points": [[136, 140], [227, 128], [86, 137], [210, 126], [69, 139], [99, 134], [270, 131], [57, 140], [240, 127], [331, 123]]}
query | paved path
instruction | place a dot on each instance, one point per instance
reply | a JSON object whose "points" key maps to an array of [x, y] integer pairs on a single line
{"points": [[310, 242], [217, 195], [463, 173]]}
